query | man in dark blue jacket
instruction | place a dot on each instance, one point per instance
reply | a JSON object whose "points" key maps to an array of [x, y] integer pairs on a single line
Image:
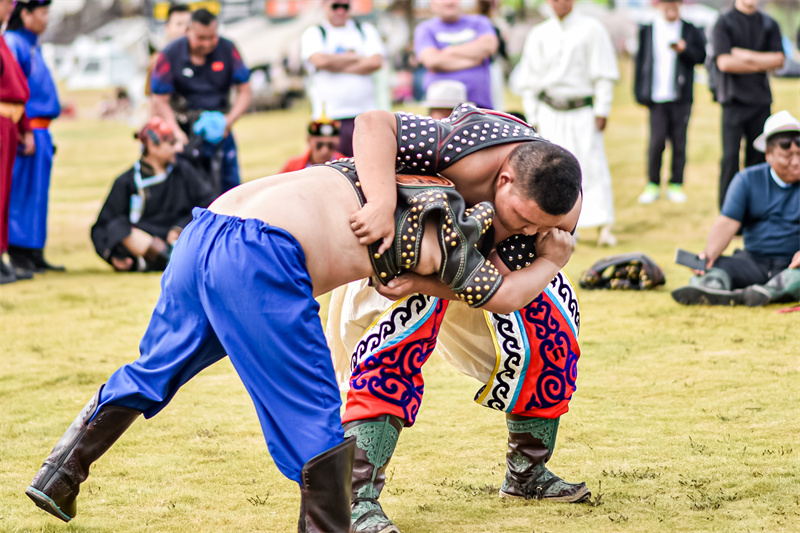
{"points": [[669, 48], [201, 68]]}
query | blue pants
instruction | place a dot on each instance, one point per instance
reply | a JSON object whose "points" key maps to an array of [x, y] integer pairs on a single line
{"points": [[240, 287], [27, 213], [230, 161]]}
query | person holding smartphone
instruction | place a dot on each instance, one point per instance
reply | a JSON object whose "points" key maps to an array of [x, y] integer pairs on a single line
{"points": [[764, 201], [669, 48]]}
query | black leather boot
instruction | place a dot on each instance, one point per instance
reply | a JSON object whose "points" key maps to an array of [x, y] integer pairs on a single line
{"points": [[375, 439], [530, 445], [325, 491], [21, 258], [55, 487]]}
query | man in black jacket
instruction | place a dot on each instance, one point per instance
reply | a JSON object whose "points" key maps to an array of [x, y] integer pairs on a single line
{"points": [[747, 45], [149, 205], [669, 48]]}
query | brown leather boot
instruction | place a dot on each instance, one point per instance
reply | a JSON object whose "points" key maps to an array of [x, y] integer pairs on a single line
{"points": [[325, 486], [375, 439], [55, 487], [530, 445]]}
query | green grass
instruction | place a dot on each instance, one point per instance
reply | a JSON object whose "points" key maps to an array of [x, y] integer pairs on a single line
{"points": [[685, 419]]}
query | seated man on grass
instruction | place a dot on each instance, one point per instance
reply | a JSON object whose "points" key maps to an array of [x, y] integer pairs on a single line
{"points": [[149, 204], [242, 282], [764, 201]]}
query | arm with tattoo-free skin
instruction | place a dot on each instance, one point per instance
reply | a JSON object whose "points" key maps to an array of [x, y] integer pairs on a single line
{"points": [[375, 150], [744, 61], [460, 56], [519, 287], [722, 232]]}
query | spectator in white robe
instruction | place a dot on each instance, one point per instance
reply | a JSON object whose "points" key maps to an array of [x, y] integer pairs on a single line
{"points": [[566, 77]]}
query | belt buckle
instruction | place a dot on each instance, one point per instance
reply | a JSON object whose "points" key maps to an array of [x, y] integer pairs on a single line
{"points": [[561, 102]]}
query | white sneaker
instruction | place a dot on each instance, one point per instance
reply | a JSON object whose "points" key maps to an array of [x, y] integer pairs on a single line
{"points": [[606, 238], [651, 194], [675, 194]]}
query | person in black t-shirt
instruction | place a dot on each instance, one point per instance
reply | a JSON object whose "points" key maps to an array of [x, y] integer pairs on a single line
{"points": [[201, 68], [149, 204], [747, 45]]}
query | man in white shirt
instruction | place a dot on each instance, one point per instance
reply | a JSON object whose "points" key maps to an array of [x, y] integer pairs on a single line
{"points": [[341, 55], [669, 48], [566, 75]]}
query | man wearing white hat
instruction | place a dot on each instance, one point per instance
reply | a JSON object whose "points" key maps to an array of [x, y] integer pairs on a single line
{"points": [[764, 201]]}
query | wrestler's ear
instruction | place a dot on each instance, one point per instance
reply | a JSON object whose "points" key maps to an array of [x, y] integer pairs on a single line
{"points": [[506, 178]]}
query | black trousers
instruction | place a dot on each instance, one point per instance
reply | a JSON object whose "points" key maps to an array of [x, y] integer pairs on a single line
{"points": [[739, 121], [346, 136], [747, 269], [668, 121]]}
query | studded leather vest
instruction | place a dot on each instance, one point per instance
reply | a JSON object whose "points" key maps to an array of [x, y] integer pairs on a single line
{"points": [[424, 148]]}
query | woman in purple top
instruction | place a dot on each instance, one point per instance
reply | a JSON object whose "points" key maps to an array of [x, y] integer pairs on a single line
{"points": [[454, 46]]}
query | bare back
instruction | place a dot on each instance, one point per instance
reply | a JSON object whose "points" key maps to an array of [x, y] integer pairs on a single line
{"points": [[314, 205]]}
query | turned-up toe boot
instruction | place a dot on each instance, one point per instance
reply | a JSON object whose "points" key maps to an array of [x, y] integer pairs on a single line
{"points": [[326, 481], [530, 445], [55, 487], [375, 439]]}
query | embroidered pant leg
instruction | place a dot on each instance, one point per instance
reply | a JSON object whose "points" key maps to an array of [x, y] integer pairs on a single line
{"points": [[387, 362], [537, 355]]}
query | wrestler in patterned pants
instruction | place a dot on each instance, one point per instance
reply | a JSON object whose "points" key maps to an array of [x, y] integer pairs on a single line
{"points": [[527, 360]]}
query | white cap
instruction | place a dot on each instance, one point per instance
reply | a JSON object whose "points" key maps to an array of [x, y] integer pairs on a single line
{"points": [[777, 123], [445, 94]]}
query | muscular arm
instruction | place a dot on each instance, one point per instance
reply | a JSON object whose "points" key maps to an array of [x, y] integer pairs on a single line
{"points": [[364, 65], [743, 61], [460, 56], [375, 149], [244, 94], [722, 231]]}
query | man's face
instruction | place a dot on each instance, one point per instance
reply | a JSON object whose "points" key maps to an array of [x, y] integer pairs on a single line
{"points": [[36, 21], [785, 160], [671, 11], [447, 10], [747, 7], [561, 8], [164, 152], [519, 214], [177, 25], [337, 12], [322, 148], [203, 39]]}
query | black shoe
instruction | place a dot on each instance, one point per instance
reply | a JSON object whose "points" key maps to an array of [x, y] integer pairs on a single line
{"points": [[38, 260], [694, 295], [21, 259], [7, 274]]}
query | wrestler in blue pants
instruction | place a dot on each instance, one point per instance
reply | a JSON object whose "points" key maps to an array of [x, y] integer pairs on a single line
{"points": [[27, 224], [240, 287]]}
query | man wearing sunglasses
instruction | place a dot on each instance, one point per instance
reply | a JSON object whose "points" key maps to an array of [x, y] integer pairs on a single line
{"points": [[341, 55], [149, 204], [323, 144], [764, 201]]}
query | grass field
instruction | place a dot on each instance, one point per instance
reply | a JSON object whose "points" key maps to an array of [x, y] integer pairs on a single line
{"points": [[686, 419]]}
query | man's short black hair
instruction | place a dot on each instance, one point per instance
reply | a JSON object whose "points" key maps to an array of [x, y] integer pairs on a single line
{"points": [[548, 174], [204, 17], [177, 8]]}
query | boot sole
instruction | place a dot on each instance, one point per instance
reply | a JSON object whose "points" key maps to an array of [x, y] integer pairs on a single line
{"points": [[45, 503], [691, 295], [582, 495]]}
